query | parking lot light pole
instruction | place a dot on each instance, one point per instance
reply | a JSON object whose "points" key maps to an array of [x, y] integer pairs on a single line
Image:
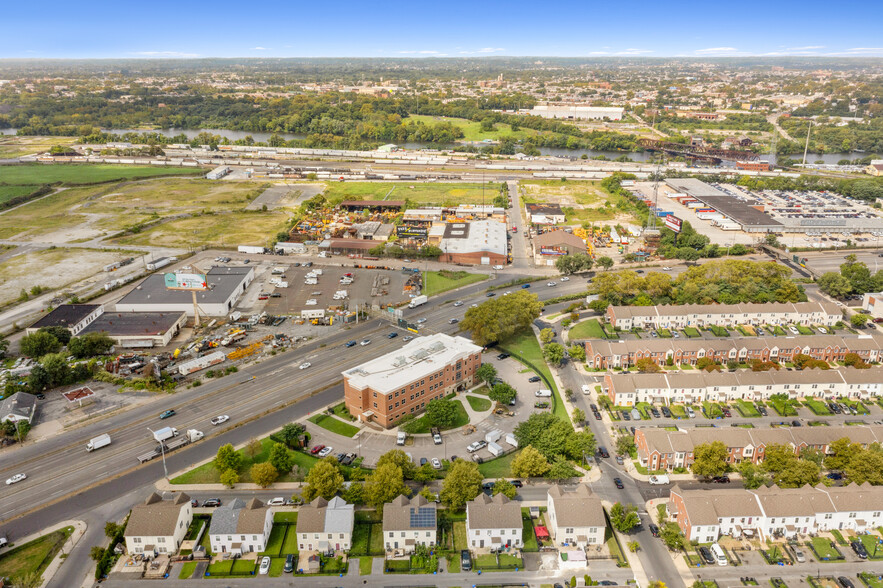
{"points": [[162, 449]]}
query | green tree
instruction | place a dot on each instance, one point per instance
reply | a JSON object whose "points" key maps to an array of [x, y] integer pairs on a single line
{"points": [[39, 344], [281, 458], [777, 457], [797, 473], [505, 488], [634, 546], [503, 393], [324, 480], [441, 412], [577, 352], [38, 380], [57, 368], [835, 285], [624, 518], [111, 529], [580, 445], [253, 447], [553, 353], [90, 345], [400, 459], [384, 484], [645, 365], [671, 535], [424, 474], [571, 264], [577, 416], [229, 478], [486, 373], [561, 469], [263, 474], [546, 336], [462, 484], [605, 262], [529, 463], [4, 346], [96, 552], [355, 493], [227, 458], [752, 475], [624, 444], [500, 318], [63, 335], [710, 459], [839, 453], [291, 433], [427, 493], [858, 320], [865, 466]]}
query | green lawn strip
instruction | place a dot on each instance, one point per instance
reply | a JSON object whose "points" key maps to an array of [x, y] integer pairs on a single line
{"points": [[488, 562], [478, 404], [73, 174], [719, 331], [33, 556], [691, 332], [782, 408], [453, 563], [421, 425], [590, 329], [644, 409], [664, 333], [366, 563], [712, 409], [277, 566], [528, 535], [871, 546], [678, 411], [334, 425], [858, 406], [817, 406], [274, 543], [524, 346], [187, 570], [746, 409], [871, 580], [460, 542], [804, 330], [499, 467], [232, 567], [839, 537], [613, 545], [777, 330], [342, 411], [285, 517], [483, 390], [440, 281], [823, 549], [289, 546]]}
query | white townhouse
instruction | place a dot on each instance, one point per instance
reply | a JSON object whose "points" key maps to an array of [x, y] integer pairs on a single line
{"points": [[723, 315], [408, 523], [325, 525], [158, 526], [241, 527], [493, 523], [575, 517]]}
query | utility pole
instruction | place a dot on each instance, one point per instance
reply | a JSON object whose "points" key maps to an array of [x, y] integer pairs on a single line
{"points": [[806, 147], [162, 448]]}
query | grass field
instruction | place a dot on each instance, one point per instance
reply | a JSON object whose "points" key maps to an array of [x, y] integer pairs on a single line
{"points": [[691, 332], [526, 346], [12, 146], [9, 192], [237, 228], [73, 174], [334, 425], [590, 329], [437, 282], [365, 565], [472, 130], [33, 556], [581, 200], [421, 425], [52, 268], [479, 404], [818, 407], [187, 570], [746, 409], [498, 468], [441, 194]]}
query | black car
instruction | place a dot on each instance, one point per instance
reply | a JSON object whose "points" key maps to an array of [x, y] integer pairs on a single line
{"points": [[490, 294], [721, 479], [350, 344], [533, 379], [212, 502], [602, 451], [392, 335], [340, 457], [593, 407], [423, 461], [796, 423], [289, 564], [859, 548], [705, 553], [308, 264], [666, 412], [626, 416], [517, 483], [654, 530], [845, 582], [40, 395], [618, 483], [597, 415], [835, 476], [465, 560], [502, 356], [655, 412]]}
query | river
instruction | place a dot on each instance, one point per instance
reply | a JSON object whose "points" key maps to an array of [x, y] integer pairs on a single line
{"points": [[260, 137]]}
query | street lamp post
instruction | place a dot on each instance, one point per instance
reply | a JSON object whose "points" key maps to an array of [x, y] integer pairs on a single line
{"points": [[162, 449]]}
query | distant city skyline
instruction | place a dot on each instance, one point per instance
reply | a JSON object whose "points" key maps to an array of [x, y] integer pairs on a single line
{"points": [[273, 28]]}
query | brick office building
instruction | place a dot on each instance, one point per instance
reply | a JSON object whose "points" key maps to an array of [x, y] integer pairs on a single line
{"points": [[389, 387]]}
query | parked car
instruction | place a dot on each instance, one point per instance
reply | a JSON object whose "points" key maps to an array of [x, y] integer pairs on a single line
{"points": [[835, 476], [289, 564], [212, 503], [666, 411], [453, 321], [265, 566], [316, 449], [490, 294], [845, 582], [194, 503], [705, 553], [620, 460], [326, 451], [465, 561], [517, 483], [721, 479], [654, 530], [220, 419], [799, 555], [502, 356], [533, 379], [525, 286], [407, 338], [476, 445], [858, 547], [625, 415], [278, 501], [618, 483], [169, 413], [597, 415], [655, 412], [435, 463]]}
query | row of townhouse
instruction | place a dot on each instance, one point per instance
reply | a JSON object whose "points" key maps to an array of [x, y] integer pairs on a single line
{"points": [[770, 512], [603, 354], [629, 389], [659, 449], [158, 526], [723, 315]]}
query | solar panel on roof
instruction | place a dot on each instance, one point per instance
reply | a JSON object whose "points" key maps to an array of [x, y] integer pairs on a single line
{"points": [[422, 517]]}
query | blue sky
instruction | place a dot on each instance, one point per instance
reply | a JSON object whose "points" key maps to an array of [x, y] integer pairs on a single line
{"points": [[456, 28]]}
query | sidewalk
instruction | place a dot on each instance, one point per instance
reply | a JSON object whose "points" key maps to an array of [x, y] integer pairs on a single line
{"points": [[679, 563], [52, 568]]}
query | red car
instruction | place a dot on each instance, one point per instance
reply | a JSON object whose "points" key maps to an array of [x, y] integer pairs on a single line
{"points": [[316, 449]]}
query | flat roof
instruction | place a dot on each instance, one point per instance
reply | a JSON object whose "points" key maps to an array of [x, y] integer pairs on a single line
{"points": [[65, 315], [222, 282], [741, 212], [122, 324], [476, 236], [416, 359]]}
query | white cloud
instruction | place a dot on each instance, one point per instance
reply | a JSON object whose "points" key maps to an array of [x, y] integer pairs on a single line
{"points": [[163, 54], [490, 50], [421, 52], [865, 50], [716, 50], [633, 52], [599, 53], [259, 48], [807, 48]]}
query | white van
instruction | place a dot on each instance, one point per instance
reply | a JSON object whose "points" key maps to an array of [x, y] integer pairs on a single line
{"points": [[544, 393], [690, 413], [718, 554]]}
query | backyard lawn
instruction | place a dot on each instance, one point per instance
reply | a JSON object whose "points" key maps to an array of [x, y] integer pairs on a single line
{"points": [[712, 410], [691, 332], [817, 406], [479, 404], [334, 425], [444, 280], [746, 409], [33, 556], [872, 546], [590, 329], [783, 407], [421, 425], [497, 468]]}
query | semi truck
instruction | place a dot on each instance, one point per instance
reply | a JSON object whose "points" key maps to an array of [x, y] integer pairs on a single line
{"points": [[250, 249], [418, 301], [98, 442], [192, 436]]}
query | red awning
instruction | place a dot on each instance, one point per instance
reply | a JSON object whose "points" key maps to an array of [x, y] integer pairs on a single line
{"points": [[541, 532]]}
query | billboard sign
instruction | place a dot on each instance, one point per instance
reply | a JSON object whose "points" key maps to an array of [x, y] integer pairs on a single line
{"points": [[411, 231], [552, 251], [672, 222], [185, 281]]}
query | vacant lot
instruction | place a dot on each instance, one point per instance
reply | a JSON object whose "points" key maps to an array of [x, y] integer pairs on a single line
{"points": [[12, 146], [582, 200], [73, 174], [472, 130], [421, 193], [444, 280], [213, 230], [52, 268], [33, 556]]}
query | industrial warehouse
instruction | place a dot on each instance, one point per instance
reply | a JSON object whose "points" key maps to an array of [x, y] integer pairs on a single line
{"points": [[225, 286]]}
